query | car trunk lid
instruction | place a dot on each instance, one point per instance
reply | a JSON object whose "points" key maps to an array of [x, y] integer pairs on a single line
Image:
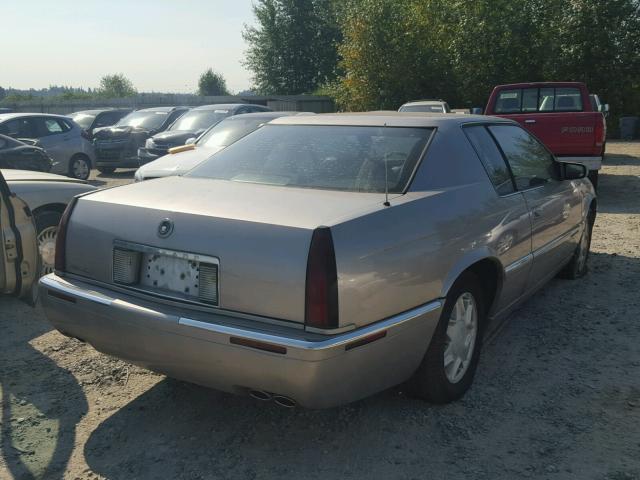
{"points": [[250, 242]]}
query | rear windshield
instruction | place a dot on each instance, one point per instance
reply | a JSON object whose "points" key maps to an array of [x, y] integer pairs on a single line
{"points": [[199, 119], [148, 120], [422, 108], [83, 119], [230, 130], [324, 157], [546, 99]]}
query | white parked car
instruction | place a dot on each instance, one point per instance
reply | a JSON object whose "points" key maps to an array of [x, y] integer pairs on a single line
{"points": [[429, 106], [182, 159]]}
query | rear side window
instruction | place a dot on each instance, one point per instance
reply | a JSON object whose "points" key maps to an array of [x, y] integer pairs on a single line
{"points": [[548, 99], [531, 164], [491, 159], [508, 101]]}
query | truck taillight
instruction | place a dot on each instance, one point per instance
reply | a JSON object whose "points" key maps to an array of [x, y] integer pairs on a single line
{"points": [[61, 237], [321, 295], [601, 131]]}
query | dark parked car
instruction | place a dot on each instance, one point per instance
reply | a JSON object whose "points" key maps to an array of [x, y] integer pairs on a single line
{"points": [[191, 126], [18, 155], [91, 120], [117, 146]]}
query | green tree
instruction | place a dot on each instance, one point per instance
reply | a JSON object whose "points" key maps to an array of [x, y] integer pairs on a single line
{"points": [[3, 93], [116, 86], [212, 84], [293, 47]]}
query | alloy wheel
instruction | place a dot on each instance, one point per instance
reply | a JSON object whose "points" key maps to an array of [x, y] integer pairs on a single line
{"points": [[462, 331], [47, 248]]}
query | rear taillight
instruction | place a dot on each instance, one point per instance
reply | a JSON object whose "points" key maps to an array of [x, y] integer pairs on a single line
{"points": [[321, 297], [61, 237], [601, 131]]}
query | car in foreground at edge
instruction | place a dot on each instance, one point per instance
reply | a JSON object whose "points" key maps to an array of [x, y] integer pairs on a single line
{"points": [[19, 259], [17, 154], [46, 195], [427, 106], [92, 120], [117, 146], [182, 159], [63, 140], [324, 258], [190, 126]]}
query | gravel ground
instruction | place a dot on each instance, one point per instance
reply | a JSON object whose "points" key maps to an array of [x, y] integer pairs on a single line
{"points": [[557, 394]]}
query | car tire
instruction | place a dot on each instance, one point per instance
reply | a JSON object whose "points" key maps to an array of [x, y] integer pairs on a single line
{"points": [[47, 230], [106, 170], [577, 266], [80, 167], [593, 177], [435, 380]]}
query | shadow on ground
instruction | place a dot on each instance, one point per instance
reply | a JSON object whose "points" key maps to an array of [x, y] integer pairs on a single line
{"points": [[533, 403], [38, 427]]}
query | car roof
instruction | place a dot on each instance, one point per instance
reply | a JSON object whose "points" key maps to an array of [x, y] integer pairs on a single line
{"points": [[265, 115], [387, 119], [162, 109], [226, 106], [100, 110], [9, 116], [541, 84], [424, 102]]}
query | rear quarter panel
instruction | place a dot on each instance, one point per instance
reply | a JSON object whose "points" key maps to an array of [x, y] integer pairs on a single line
{"points": [[398, 258], [43, 194]]}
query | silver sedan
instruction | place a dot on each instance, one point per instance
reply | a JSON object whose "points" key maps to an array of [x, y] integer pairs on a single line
{"points": [[324, 258]]}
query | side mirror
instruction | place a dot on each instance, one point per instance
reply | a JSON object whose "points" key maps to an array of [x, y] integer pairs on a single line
{"points": [[477, 111], [573, 171], [190, 141], [605, 109]]}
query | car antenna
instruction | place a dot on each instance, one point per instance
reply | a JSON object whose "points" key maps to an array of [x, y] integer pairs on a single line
{"points": [[386, 180]]}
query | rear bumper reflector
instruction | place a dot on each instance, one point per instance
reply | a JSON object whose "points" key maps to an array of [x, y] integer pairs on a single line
{"points": [[267, 347], [366, 340]]}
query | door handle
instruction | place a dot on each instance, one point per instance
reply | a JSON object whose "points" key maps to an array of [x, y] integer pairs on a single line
{"points": [[530, 121]]}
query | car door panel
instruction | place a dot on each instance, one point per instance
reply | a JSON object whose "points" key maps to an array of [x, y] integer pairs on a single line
{"points": [[19, 256], [56, 143], [555, 205], [556, 212]]}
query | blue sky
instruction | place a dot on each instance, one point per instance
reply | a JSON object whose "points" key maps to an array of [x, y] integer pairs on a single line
{"points": [[160, 45]]}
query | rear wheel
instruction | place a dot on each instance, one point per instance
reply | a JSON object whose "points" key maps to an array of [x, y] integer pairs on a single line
{"points": [[577, 267], [47, 228], [80, 167], [448, 367], [106, 170], [593, 176]]}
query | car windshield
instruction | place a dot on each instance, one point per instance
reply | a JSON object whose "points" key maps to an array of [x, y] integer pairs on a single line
{"points": [[83, 119], [422, 108], [143, 119], [230, 130], [199, 119], [335, 157]]}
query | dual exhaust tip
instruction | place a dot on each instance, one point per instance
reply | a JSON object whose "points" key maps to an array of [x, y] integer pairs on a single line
{"points": [[279, 400]]}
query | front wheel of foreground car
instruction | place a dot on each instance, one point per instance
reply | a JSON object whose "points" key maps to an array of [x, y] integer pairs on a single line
{"points": [[80, 167], [448, 367], [47, 228]]}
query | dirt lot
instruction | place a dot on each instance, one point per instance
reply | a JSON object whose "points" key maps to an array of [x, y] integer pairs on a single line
{"points": [[557, 395]]}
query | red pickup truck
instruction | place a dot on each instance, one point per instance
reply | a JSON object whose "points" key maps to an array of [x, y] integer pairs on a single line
{"points": [[560, 114]]}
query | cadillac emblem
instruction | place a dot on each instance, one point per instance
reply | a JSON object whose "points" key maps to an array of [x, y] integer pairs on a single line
{"points": [[165, 228]]}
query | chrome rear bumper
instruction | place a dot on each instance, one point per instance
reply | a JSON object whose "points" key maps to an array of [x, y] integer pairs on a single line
{"points": [[316, 371]]}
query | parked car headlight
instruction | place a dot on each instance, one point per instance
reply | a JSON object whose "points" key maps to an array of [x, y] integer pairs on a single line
{"points": [[149, 143]]}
